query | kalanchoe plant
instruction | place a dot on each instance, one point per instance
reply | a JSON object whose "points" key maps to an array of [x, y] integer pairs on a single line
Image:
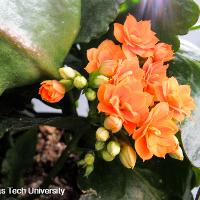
{"points": [[140, 138], [139, 99]]}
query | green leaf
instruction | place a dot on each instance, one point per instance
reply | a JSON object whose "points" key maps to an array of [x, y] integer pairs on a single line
{"points": [[177, 18], [176, 176], [16, 124], [19, 158], [21, 123], [96, 17], [111, 181], [35, 37], [187, 71], [197, 176], [168, 18]]}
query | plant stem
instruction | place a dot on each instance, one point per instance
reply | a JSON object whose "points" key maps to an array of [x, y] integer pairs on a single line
{"points": [[195, 27]]}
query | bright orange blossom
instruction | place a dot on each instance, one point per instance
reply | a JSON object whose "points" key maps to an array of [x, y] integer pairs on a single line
{"points": [[137, 38]]}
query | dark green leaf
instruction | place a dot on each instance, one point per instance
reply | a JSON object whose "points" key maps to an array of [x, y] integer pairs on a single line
{"points": [[176, 176], [9, 124], [35, 37], [187, 71], [96, 17], [176, 19], [111, 181], [19, 158], [197, 176], [15, 124]]}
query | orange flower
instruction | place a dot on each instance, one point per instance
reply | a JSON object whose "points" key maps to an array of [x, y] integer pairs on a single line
{"points": [[105, 56], [137, 37], [156, 136], [52, 91], [163, 52], [128, 68], [177, 96], [154, 73], [126, 101]]}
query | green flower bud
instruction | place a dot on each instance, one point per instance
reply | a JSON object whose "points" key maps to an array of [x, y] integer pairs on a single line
{"points": [[68, 84], [81, 162], [89, 159], [102, 134], [90, 94], [106, 156], [113, 148], [89, 169], [80, 82], [67, 72], [99, 145], [99, 80]]}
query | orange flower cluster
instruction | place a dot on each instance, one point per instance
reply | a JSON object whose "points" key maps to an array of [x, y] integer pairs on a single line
{"points": [[139, 96]]}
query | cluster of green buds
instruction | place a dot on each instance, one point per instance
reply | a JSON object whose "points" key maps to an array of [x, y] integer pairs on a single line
{"points": [[110, 148], [72, 78], [87, 163]]}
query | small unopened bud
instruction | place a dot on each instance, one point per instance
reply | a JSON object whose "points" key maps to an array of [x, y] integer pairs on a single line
{"points": [[89, 169], [113, 148], [80, 82], [68, 84], [106, 156], [81, 162], [178, 154], [89, 159], [90, 94], [127, 156], [67, 72], [99, 80], [102, 134], [99, 145], [113, 124]]}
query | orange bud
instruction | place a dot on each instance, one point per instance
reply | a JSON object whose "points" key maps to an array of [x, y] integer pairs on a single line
{"points": [[178, 154], [113, 124], [127, 156], [52, 91]]}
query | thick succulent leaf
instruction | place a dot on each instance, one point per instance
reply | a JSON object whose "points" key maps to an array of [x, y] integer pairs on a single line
{"points": [[187, 71], [111, 181], [96, 17], [176, 176], [35, 37], [21, 123], [19, 158], [169, 17]]}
